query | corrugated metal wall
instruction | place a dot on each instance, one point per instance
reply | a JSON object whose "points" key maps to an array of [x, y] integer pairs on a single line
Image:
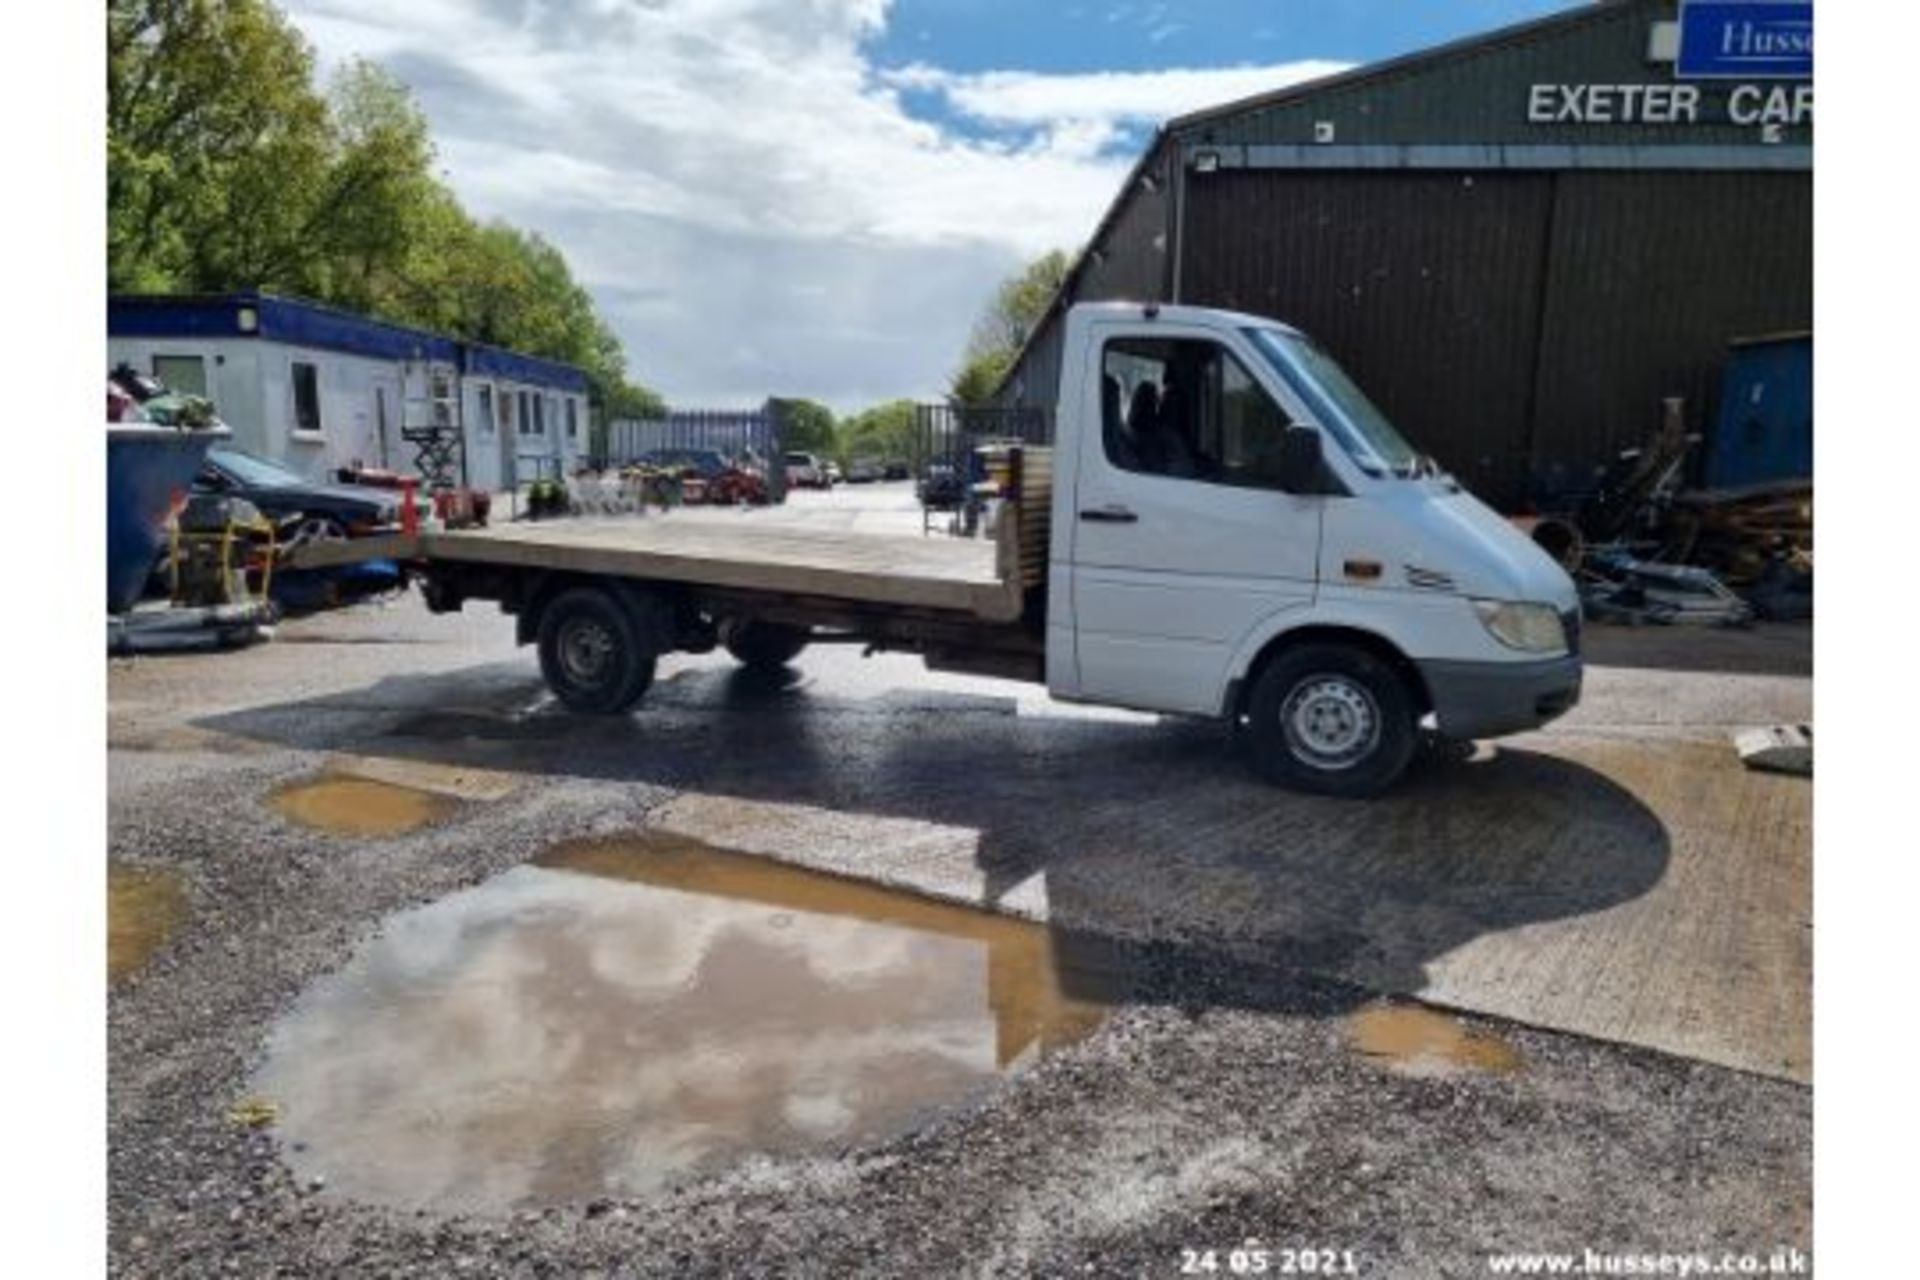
{"points": [[1517, 322], [1425, 285], [1129, 260], [1513, 324], [1652, 275]]}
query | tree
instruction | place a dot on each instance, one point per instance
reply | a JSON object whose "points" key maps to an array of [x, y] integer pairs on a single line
{"points": [[1017, 308], [885, 431], [623, 399], [228, 170], [809, 425], [379, 206], [216, 142]]}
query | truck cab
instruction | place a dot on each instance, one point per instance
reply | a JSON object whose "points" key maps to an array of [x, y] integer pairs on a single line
{"points": [[1238, 531]]}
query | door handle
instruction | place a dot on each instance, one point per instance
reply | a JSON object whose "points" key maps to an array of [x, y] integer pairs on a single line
{"points": [[1112, 513]]}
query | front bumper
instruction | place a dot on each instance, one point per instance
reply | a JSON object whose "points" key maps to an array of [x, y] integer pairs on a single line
{"points": [[1488, 699]]}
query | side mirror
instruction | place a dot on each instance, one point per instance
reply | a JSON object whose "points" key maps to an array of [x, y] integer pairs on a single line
{"points": [[1300, 461]]}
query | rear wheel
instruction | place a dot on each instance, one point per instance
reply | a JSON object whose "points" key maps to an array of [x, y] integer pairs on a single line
{"points": [[765, 646], [596, 655], [1331, 719]]}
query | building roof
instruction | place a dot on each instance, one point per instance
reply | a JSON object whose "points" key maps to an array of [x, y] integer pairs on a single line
{"points": [[1442, 93], [1389, 68], [303, 323]]}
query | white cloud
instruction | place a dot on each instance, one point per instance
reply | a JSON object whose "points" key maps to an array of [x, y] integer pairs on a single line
{"points": [[746, 194], [1028, 97]]}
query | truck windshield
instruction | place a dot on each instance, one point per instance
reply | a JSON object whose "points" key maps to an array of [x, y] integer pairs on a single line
{"points": [[1339, 404]]}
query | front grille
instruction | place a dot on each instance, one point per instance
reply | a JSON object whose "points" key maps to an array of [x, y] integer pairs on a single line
{"points": [[1570, 620]]}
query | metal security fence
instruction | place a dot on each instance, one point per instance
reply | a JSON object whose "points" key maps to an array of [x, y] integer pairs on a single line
{"points": [[949, 434], [737, 435]]}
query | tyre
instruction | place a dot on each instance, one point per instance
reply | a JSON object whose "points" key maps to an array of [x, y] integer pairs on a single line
{"points": [[596, 655], [1331, 719], [765, 646]]}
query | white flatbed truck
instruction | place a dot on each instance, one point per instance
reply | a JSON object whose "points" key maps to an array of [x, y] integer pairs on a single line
{"points": [[1224, 527]]}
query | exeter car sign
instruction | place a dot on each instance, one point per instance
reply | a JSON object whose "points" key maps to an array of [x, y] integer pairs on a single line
{"points": [[1748, 39]]}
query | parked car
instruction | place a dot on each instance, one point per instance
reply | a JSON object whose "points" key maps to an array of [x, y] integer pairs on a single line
{"points": [[864, 471], [325, 512], [708, 476], [894, 469], [832, 469], [804, 471]]}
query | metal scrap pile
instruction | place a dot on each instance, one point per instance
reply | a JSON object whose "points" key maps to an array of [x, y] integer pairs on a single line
{"points": [[1758, 539], [1645, 550]]}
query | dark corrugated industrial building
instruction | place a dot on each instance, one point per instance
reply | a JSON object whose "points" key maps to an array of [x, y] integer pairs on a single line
{"points": [[1520, 243]]}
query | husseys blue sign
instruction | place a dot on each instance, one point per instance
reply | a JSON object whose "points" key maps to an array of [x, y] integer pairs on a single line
{"points": [[1754, 40]]}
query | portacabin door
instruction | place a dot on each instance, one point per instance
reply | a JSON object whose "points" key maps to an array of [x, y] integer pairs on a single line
{"points": [[1183, 540]]}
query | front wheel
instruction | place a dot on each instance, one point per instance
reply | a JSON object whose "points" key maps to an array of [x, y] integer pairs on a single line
{"points": [[1331, 719], [596, 655]]}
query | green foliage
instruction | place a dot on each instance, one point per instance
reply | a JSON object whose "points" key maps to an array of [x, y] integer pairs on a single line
{"points": [[884, 432], [809, 425], [1016, 310], [980, 377], [227, 169], [629, 400]]}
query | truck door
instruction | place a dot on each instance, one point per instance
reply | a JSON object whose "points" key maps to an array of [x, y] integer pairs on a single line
{"points": [[1183, 540]]}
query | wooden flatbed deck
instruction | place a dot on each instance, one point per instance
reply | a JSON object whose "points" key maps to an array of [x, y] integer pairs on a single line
{"points": [[940, 573]]}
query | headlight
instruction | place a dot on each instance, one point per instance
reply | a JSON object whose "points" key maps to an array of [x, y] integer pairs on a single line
{"points": [[1533, 628]]}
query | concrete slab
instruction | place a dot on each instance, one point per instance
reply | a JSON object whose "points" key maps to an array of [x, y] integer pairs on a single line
{"points": [[1655, 894], [1616, 878]]}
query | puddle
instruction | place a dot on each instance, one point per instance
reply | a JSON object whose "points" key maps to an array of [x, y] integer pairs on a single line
{"points": [[456, 782], [1419, 1041], [144, 905], [350, 806], [623, 1014]]}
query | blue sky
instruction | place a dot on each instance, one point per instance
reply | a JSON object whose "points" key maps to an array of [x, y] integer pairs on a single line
{"points": [[1132, 35], [817, 197]]}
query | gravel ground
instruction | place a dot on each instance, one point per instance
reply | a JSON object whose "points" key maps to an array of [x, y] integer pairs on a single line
{"points": [[1222, 1102]]}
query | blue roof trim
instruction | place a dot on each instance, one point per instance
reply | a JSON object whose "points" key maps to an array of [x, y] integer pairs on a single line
{"points": [[177, 316], [305, 324], [496, 362], [297, 322]]}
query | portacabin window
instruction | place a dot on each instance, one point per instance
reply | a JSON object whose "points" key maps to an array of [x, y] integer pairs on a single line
{"points": [[306, 397], [483, 408], [184, 374], [573, 418], [1187, 409]]}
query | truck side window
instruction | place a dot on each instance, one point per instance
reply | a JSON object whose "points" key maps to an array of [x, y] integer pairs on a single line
{"points": [[1187, 409]]}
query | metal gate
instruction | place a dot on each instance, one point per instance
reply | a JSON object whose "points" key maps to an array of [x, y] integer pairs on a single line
{"points": [[949, 434], [737, 435]]}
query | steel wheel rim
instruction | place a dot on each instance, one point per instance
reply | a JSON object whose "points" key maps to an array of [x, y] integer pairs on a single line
{"points": [[1331, 722], [317, 529], [585, 649]]}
